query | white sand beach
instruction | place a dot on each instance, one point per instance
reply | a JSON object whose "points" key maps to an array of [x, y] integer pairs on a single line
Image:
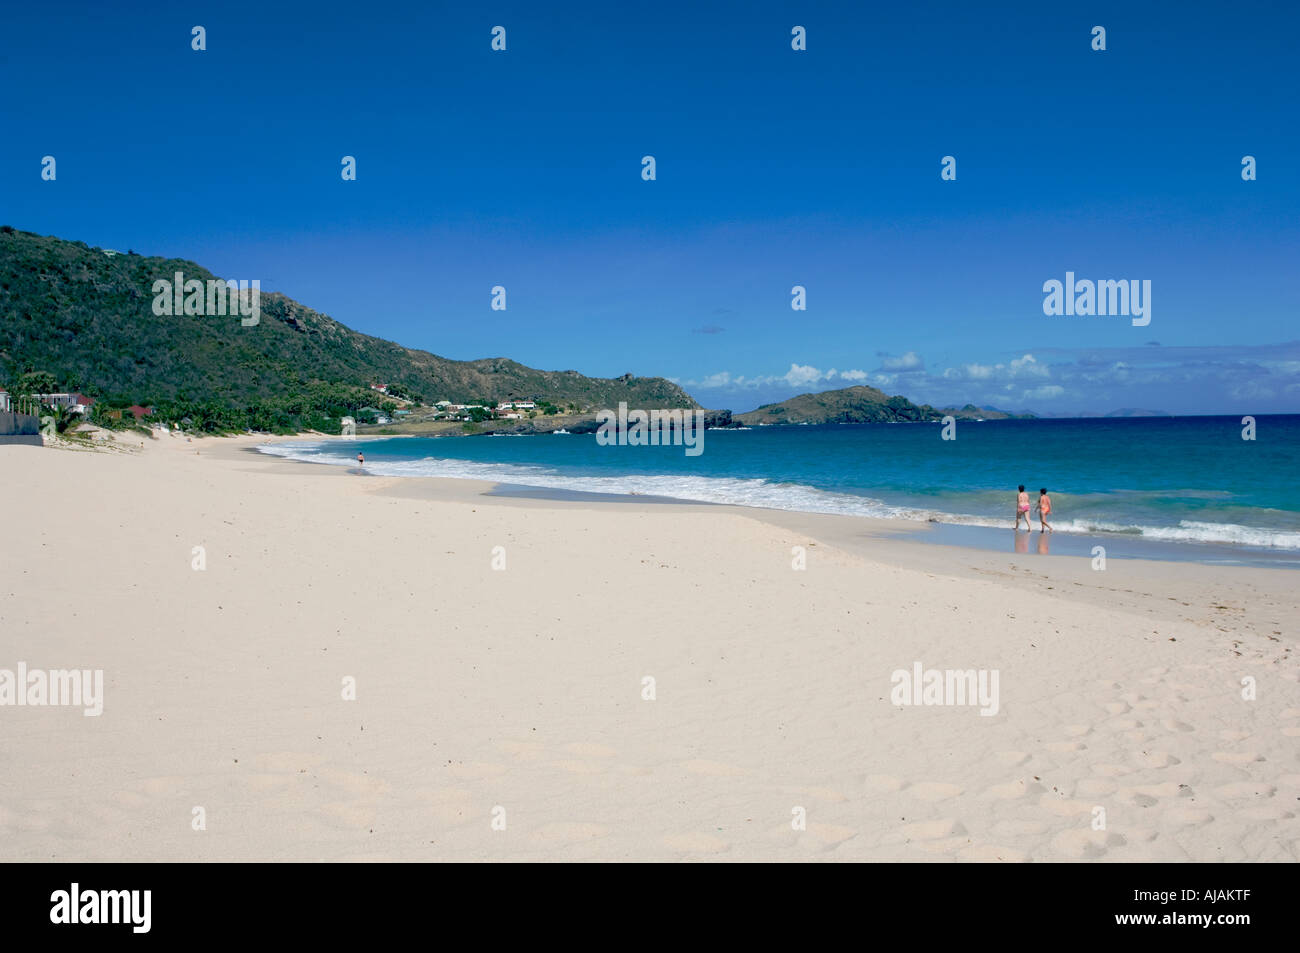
{"points": [[499, 714]]}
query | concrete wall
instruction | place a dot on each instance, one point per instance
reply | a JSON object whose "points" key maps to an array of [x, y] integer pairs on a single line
{"points": [[20, 428]]}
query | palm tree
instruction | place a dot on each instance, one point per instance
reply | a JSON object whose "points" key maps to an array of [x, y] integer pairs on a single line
{"points": [[58, 416]]}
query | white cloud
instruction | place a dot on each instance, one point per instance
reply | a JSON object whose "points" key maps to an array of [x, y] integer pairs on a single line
{"points": [[800, 375], [910, 361]]}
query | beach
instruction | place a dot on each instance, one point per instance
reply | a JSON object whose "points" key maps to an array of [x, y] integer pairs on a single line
{"points": [[305, 662]]}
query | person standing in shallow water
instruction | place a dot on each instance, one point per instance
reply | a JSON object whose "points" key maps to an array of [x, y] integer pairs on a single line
{"points": [[1022, 509], [361, 461], [1044, 507]]}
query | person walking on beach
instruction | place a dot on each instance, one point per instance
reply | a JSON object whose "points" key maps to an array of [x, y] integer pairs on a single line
{"points": [[1022, 509], [361, 462], [1044, 507]]}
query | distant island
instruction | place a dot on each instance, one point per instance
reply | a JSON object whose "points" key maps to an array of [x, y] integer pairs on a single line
{"points": [[859, 405]]}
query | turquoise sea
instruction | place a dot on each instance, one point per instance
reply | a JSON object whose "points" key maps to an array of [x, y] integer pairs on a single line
{"points": [[1187, 480]]}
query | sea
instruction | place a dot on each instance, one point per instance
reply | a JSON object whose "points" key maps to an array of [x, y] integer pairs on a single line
{"points": [[1191, 484]]}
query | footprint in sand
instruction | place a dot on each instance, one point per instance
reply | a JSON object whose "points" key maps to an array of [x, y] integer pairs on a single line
{"points": [[1155, 759], [1111, 770], [933, 791], [1012, 758], [1116, 708], [1064, 747], [1077, 731], [1122, 724], [1187, 816], [1173, 724]]}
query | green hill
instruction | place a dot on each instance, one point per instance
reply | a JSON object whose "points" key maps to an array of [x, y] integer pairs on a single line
{"points": [[856, 405], [85, 316]]}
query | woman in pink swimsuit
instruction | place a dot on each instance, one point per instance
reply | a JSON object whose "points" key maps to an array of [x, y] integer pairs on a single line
{"points": [[1022, 510]]}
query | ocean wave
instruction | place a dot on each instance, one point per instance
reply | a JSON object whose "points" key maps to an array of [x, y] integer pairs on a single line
{"points": [[764, 494]]}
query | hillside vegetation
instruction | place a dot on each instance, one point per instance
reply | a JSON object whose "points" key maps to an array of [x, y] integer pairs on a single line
{"points": [[85, 316]]}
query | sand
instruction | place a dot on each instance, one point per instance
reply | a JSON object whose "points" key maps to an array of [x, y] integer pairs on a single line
{"points": [[504, 713]]}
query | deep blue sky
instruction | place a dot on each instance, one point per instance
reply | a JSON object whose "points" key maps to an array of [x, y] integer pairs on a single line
{"points": [[775, 168]]}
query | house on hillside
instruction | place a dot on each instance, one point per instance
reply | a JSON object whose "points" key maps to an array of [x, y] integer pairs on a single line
{"points": [[139, 412], [77, 403]]}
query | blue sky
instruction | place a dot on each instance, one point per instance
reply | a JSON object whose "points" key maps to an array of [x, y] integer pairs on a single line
{"points": [[775, 168]]}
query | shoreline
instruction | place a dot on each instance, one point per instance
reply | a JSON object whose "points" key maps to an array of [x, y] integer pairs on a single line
{"points": [[770, 638], [933, 532]]}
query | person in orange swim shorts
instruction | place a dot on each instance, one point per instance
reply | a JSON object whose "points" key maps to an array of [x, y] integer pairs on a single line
{"points": [[1044, 507]]}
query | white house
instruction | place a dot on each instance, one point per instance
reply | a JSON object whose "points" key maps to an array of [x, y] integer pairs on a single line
{"points": [[77, 403]]}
